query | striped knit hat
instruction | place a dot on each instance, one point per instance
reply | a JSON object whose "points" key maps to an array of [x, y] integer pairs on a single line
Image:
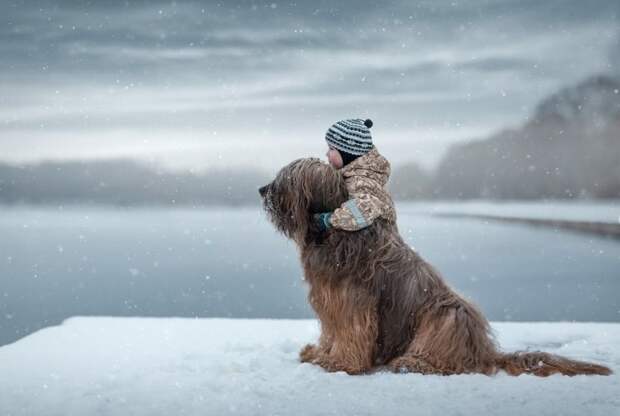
{"points": [[351, 136]]}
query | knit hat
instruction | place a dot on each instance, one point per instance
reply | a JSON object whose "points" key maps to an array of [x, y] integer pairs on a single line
{"points": [[351, 137]]}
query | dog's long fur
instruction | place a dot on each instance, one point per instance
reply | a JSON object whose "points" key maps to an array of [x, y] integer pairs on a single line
{"points": [[378, 302]]}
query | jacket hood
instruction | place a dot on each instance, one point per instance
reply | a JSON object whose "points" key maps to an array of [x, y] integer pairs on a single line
{"points": [[372, 165]]}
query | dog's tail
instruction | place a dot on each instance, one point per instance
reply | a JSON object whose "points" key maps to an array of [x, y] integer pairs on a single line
{"points": [[543, 364]]}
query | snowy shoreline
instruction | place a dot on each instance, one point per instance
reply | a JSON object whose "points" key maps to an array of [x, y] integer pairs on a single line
{"points": [[605, 211], [604, 229], [163, 366]]}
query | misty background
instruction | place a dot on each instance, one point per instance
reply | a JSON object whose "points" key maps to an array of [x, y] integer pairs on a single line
{"points": [[134, 136], [139, 101]]}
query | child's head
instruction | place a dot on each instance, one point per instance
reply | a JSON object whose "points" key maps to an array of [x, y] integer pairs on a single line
{"points": [[334, 158], [348, 140]]}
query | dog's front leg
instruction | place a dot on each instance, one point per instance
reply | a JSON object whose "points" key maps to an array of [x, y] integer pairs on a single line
{"points": [[352, 345], [353, 356], [348, 317]]}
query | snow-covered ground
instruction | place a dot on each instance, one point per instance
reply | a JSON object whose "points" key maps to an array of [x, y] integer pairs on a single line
{"points": [[174, 366], [598, 211]]}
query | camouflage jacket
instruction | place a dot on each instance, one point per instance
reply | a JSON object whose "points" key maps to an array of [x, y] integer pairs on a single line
{"points": [[365, 179]]}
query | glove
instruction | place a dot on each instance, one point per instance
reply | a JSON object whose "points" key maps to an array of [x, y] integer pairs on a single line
{"points": [[322, 220]]}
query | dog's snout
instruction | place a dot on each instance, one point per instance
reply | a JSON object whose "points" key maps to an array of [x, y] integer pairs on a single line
{"points": [[263, 190]]}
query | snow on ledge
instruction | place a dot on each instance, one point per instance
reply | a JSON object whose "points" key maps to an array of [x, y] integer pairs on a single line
{"points": [[178, 366]]}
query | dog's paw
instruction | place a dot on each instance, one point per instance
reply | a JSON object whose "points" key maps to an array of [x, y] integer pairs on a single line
{"points": [[308, 353], [331, 365], [409, 364], [399, 365]]}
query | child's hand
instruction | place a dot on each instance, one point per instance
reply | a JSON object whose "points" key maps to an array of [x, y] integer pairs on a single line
{"points": [[322, 220]]}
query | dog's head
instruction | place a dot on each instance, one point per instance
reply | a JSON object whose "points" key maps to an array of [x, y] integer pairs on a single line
{"points": [[302, 188]]}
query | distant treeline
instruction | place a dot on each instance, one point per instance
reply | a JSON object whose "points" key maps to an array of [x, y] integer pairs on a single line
{"points": [[125, 182], [569, 149]]}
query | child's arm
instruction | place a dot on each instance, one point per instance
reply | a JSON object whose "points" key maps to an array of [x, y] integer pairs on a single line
{"points": [[353, 215]]}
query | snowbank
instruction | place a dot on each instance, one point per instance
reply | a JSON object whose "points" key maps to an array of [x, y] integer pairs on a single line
{"points": [[173, 366]]}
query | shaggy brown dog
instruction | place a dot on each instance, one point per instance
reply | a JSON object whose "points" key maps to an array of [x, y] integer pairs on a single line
{"points": [[378, 302]]}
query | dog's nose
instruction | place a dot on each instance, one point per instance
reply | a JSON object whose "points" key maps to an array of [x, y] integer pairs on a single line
{"points": [[263, 190]]}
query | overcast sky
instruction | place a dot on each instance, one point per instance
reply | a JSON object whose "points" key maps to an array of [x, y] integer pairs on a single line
{"points": [[258, 83]]}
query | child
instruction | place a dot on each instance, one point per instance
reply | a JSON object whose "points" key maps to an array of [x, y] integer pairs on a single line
{"points": [[365, 172]]}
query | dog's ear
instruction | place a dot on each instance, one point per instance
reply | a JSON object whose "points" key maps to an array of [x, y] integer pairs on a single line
{"points": [[323, 187]]}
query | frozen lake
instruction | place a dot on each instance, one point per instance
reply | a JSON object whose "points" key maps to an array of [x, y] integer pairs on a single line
{"points": [[229, 262]]}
